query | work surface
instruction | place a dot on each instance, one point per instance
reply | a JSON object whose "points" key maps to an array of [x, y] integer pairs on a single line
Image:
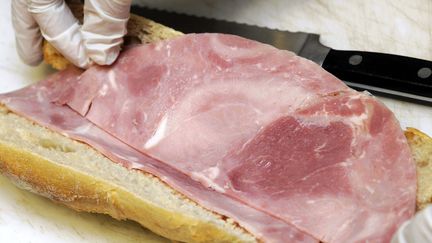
{"points": [[401, 27]]}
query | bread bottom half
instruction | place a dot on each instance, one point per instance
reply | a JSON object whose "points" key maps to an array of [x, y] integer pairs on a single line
{"points": [[76, 175]]}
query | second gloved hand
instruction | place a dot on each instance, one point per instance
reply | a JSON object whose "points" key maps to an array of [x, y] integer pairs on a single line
{"points": [[416, 230], [98, 40]]}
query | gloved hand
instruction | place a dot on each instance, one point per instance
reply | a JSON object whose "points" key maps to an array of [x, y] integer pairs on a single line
{"points": [[416, 230], [98, 40]]}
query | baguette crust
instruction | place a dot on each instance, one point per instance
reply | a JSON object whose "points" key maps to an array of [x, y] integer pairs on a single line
{"points": [[421, 148], [78, 190]]}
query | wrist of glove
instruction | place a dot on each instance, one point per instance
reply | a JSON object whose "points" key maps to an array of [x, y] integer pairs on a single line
{"points": [[98, 40], [418, 229]]}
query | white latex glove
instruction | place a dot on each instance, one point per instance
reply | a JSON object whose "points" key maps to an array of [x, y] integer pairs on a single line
{"points": [[416, 230], [98, 40]]}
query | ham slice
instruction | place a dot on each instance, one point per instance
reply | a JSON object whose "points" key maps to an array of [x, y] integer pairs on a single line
{"points": [[34, 102], [297, 154]]}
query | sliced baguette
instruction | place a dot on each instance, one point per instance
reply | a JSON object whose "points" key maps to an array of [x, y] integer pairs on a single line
{"points": [[421, 148], [76, 175], [50, 164]]}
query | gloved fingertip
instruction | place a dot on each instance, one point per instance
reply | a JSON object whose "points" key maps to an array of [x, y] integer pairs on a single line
{"points": [[31, 57], [106, 57], [33, 62], [81, 61], [85, 64]]}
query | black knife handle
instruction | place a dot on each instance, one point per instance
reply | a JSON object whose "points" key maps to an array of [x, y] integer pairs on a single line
{"points": [[385, 74]]}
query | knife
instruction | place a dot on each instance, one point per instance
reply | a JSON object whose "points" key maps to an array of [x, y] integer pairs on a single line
{"points": [[394, 76]]}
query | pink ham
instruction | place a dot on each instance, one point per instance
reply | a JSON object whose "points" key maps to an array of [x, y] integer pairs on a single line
{"points": [[35, 103], [259, 127]]}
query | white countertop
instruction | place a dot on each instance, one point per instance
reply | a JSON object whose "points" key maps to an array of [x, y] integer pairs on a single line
{"points": [[400, 26]]}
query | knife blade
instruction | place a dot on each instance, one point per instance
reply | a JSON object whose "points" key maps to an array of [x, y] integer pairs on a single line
{"points": [[394, 76]]}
